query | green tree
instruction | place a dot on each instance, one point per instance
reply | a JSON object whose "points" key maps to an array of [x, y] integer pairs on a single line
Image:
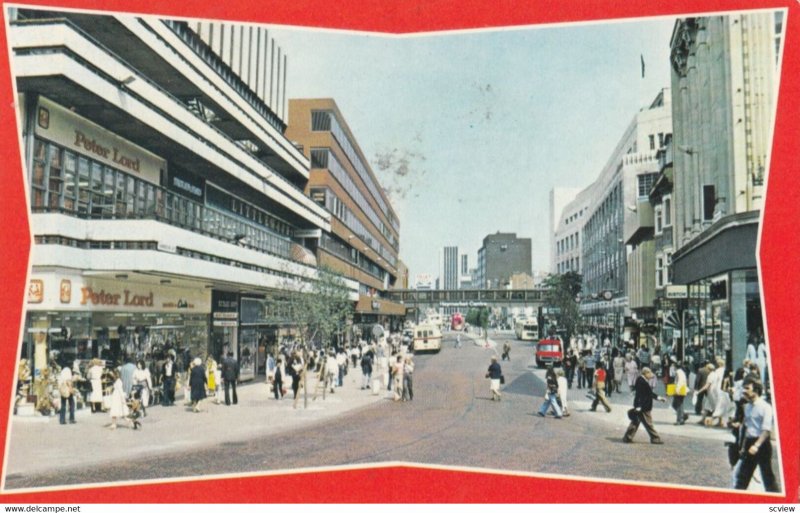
{"points": [[563, 292], [320, 309], [478, 318]]}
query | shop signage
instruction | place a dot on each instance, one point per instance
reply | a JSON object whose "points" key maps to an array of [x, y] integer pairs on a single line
{"points": [[226, 315], [225, 323], [676, 292], [308, 234], [127, 298], [187, 184], [166, 247], [112, 153], [36, 291], [66, 128], [74, 292], [66, 291]]}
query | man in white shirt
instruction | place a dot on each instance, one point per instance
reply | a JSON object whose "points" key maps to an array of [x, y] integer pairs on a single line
{"points": [[331, 371], [757, 450], [67, 395]]}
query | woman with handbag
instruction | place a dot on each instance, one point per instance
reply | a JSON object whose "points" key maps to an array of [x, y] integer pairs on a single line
{"points": [[681, 389], [494, 373]]}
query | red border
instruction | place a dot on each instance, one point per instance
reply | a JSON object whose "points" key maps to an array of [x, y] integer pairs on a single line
{"points": [[779, 248]]}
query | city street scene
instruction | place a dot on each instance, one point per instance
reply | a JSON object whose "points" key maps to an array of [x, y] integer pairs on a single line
{"points": [[262, 250]]}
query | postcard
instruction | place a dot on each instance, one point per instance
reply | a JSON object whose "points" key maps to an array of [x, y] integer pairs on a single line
{"points": [[427, 253]]}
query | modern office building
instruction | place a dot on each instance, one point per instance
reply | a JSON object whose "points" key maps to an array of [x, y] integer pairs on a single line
{"points": [[613, 211], [464, 272], [363, 243], [560, 198], [448, 268], [567, 208], [167, 205], [501, 256], [724, 83]]}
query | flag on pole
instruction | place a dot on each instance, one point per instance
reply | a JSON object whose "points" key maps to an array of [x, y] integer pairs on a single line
{"points": [[642, 59]]}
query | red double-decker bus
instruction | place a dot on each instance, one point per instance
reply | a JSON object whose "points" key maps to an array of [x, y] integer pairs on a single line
{"points": [[457, 322]]}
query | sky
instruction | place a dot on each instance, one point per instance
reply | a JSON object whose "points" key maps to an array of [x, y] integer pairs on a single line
{"points": [[482, 124]]}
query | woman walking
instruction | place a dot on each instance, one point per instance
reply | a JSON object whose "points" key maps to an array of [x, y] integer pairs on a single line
{"points": [[95, 375], [211, 377], [197, 384], [398, 373], [619, 368], [494, 373], [631, 371], [118, 408], [143, 380]]}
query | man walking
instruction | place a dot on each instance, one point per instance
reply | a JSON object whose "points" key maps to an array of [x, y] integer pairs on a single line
{"points": [[642, 406], [600, 388], [168, 380], [230, 375], [590, 364], [366, 369], [700, 389], [65, 390], [551, 394], [506, 352], [757, 450]]}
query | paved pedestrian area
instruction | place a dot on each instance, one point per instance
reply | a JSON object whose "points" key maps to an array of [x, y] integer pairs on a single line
{"points": [[663, 415], [579, 402], [40, 443]]}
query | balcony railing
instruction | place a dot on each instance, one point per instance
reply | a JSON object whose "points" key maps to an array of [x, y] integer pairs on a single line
{"points": [[64, 182]]}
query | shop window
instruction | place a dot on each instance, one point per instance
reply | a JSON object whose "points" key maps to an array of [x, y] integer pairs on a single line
{"points": [[70, 177]]}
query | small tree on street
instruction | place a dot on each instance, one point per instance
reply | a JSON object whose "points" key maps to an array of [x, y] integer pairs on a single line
{"points": [[320, 309], [563, 292]]}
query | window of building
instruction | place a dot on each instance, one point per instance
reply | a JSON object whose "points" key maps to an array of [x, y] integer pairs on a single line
{"points": [[320, 121], [661, 140], [659, 271], [657, 213], [645, 183], [667, 211], [709, 200], [652, 142], [668, 267]]}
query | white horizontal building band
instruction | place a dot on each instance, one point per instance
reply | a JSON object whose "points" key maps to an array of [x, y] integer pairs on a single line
{"points": [[151, 230], [54, 64], [214, 86]]}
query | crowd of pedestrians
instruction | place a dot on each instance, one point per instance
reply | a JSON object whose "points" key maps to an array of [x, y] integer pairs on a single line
{"points": [[384, 364], [720, 398]]}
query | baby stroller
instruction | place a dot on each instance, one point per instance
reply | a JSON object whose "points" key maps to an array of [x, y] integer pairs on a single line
{"points": [[135, 406]]}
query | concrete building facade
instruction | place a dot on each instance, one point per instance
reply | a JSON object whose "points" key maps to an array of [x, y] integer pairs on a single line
{"points": [[613, 212], [363, 243], [501, 256], [724, 82], [167, 205], [566, 237]]}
